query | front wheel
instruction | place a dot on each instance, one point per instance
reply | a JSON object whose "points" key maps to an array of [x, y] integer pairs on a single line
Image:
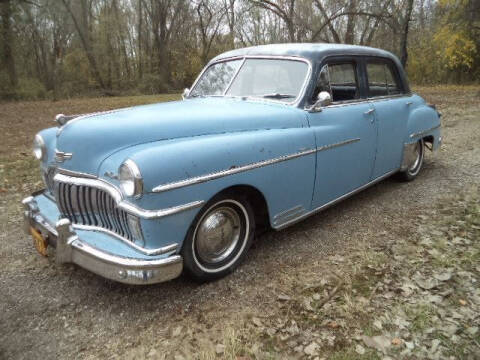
{"points": [[414, 160], [219, 237]]}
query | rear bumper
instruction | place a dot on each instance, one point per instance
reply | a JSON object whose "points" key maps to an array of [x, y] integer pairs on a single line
{"points": [[71, 249]]}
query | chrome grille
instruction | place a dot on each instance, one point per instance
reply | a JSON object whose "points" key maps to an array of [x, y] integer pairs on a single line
{"points": [[86, 205], [48, 178]]}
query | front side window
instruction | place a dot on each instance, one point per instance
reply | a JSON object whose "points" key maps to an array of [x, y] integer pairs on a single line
{"points": [[216, 78], [278, 79], [381, 80], [340, 81]]}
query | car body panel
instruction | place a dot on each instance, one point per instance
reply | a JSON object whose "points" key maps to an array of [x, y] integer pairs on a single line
{"points": [[348, 136], [94, 138], [391, 116]]}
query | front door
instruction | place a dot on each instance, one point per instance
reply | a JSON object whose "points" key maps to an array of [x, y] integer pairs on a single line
{"points": [[346, 134]]}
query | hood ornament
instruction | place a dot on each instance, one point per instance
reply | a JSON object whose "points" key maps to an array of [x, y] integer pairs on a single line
{"points": [[61, 156]]}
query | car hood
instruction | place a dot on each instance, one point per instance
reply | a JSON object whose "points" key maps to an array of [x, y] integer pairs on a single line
{"points": [[92, 138]]}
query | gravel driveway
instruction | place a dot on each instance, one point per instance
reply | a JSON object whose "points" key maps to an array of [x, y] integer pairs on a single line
{"points": [[50, 311]]}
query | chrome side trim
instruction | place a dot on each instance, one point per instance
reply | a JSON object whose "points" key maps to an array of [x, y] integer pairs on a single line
{"points": [[158, 251], [366, 100], [424, 132], [75, 173], [333, 202], [125, 205], [341, 143], [288, 214], [223, 173]]}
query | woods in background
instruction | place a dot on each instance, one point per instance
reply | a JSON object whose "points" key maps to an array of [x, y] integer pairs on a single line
{"points": [[63, 48]]}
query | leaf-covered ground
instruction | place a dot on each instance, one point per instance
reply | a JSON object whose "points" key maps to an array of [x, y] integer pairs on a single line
{"points": [[391, 273]]}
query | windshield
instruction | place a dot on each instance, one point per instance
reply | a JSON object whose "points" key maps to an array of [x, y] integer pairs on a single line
{"points": [[277, 79]]}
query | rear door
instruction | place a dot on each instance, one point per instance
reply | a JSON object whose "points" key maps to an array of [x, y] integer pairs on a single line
{"points": [[391, 104]]}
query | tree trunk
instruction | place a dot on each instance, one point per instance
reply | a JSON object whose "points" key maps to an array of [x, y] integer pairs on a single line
{"points": [[404, 36], [350, 32], [85, 40], [7, 59], [140, 38]]}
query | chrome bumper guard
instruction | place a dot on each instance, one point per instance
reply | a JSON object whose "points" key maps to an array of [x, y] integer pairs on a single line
{"points": [[71, 249]]}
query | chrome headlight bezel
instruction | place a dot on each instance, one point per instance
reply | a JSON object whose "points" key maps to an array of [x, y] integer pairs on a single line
{"points": [[130, 178], [39, 148]]}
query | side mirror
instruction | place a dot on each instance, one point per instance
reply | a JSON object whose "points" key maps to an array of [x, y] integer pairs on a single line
{"points": [[323, 99], [185, 94]]}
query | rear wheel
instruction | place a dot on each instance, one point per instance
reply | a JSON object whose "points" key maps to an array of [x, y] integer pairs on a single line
{"points": [[219, 237], [414, 159]]}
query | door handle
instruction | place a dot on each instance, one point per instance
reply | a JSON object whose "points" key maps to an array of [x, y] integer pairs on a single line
{"points": [[369, 111]]}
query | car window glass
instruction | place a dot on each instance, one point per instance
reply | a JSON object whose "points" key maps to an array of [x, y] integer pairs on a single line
{"points": [[339, 80], [216, 78], [264, 77], [381, 80]]}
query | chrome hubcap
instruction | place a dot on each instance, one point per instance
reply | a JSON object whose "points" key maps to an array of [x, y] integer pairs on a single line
{"points": [[415, 157], [217, 235]]}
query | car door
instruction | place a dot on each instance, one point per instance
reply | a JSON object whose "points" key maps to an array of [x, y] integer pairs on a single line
{"points": [[345, 132], [387, 96]]}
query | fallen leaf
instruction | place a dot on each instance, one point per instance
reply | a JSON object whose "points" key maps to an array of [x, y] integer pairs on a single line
{"points": [[378, 324], [257, 322], [377, 342], [424, 283], [177, 331], [472, 330], [311, 349], [283, 297], [359, 349], [220, 349], [397, 341], [443, 276], [333, 325], [435, 344], [307, 305]]}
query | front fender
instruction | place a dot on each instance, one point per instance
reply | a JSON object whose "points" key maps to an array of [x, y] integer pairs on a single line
{"points": [[285, 183]]}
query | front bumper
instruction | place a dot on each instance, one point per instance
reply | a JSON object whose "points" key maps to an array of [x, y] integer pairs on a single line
{"points": [[71, 249]]}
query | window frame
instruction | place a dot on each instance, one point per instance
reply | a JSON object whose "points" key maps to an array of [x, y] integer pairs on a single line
{"points": [[394, 71], [357, 61]]}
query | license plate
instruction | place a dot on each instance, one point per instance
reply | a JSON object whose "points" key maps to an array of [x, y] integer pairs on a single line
{"points": [[39, 241]]}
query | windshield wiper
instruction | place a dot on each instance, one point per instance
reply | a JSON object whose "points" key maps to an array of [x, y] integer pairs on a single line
{"points": [[278, 96]]}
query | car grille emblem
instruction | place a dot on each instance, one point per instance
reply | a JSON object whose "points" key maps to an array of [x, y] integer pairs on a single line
{"points": [[61, 156]]}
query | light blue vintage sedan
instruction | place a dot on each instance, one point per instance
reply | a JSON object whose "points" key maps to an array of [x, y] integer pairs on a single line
{"points": [[266, 136]]}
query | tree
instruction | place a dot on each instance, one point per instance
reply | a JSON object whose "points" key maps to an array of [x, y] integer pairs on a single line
{"points": [[7, 60]]}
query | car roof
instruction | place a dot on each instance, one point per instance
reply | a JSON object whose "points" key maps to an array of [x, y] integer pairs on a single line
{"points": [[311, 51]]}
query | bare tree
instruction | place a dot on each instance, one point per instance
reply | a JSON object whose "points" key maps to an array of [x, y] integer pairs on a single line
{"points": [[404, 34], [83, 33], [8, 61], [284, 9], [209, 21]]}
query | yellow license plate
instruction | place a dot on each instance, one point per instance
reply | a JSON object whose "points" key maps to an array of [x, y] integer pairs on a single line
{"points": [[39, 241]]}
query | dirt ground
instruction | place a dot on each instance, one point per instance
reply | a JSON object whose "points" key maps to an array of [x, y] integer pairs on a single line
{"points": [[51, 311]]}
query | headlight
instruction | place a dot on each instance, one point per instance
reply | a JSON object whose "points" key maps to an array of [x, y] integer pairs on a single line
{"points": [[39, 149], [131, 181]]}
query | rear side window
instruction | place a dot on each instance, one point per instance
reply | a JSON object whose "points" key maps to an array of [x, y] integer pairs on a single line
{"points": [[382, 80], [339, 80]]}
